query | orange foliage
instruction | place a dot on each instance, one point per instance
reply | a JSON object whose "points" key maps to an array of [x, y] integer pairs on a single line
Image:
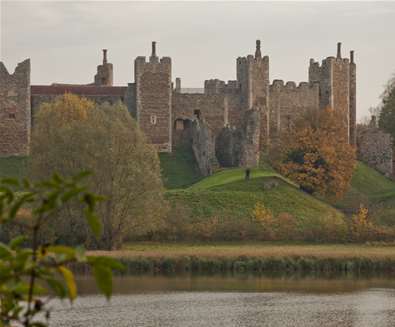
{"points": [[316, 154]]}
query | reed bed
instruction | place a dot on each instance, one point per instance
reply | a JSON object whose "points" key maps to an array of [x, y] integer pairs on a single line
{"points": [[255, 258]]}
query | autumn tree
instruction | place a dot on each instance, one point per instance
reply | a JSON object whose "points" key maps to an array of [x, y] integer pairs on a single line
{"points": [[315, 153], [73, 134]]}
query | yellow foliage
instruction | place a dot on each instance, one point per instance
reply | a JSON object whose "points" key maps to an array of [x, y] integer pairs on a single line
{"points": [[361, 227], [263, 215], [67, 108]]}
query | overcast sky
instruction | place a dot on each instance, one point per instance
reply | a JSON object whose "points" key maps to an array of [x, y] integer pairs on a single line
{"points": [[64, 39]]}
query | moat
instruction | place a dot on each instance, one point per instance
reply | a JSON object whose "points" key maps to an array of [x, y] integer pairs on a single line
{"points": [[233, 301]]}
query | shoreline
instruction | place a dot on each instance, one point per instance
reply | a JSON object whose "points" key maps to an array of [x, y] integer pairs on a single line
{"points": [[255, 258]]}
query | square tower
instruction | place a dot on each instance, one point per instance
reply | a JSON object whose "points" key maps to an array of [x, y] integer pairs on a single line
{"points": [[337, 88], [153, 99], [253, 80]]}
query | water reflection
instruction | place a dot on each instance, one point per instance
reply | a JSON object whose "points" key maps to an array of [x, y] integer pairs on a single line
{"points": [[233, 301]]}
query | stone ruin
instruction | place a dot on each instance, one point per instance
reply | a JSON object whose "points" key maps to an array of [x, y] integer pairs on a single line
{"points": [[375, 148]]}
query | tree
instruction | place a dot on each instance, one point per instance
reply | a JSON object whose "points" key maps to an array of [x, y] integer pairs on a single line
{"points": [[387, 112], [30, 276], [316, 154], [73, 134]]}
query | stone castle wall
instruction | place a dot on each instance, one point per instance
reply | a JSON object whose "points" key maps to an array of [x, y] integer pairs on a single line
{"points": [[163, 111], [289, 102], [375, 148], [15, 110], [203, 146], [208, 107]]}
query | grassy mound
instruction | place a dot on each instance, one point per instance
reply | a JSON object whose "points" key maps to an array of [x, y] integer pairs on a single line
{"points": [[235, 175], [13, 167], [225, 202], [179, 169]]}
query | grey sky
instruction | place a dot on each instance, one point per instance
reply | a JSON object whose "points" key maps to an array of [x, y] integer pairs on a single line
{"points": [[64, 39]]}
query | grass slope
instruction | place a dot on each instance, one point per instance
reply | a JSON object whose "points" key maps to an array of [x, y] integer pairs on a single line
{"points": [[228, 197], [13, 167], [179, 169], [235, 175], [372, 189]]}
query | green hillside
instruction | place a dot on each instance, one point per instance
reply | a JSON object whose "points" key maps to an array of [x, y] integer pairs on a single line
{"points": [[237, 199], [229, 200], [235, 175], [373, 190], [179, 169]]}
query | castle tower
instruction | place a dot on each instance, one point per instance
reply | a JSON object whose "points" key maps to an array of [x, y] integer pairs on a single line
{"points": [[153, 99], [104, 76], [15, 110], [253, 79], [337, 82], [353, 100]]}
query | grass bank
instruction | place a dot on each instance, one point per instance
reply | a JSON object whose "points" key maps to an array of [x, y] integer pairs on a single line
{"points": [[373, 190], [255, 258]]}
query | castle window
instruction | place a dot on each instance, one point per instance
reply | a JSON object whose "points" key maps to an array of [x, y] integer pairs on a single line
{"points": [[197, 113], [153, 119], [12, 116]]}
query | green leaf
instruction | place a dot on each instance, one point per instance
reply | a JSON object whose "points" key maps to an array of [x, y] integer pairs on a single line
{"points": [[103, 276], [17, 242], [72, 193], [93, 221], [61, 249], [70, 282], [5, 251], [18, 204]]}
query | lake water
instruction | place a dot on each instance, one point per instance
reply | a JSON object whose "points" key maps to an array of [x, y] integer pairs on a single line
{"points": [[232, 301]]}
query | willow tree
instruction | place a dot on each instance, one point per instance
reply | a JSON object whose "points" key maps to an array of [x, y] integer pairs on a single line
{"points": [[73, 134]]}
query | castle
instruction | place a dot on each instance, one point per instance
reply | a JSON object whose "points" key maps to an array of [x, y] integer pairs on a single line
{"points": [[230, 119]]}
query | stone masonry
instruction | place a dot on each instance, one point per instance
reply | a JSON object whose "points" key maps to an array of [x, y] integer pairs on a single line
{"points": [[15, 111], [375, 148], [163, 110]]}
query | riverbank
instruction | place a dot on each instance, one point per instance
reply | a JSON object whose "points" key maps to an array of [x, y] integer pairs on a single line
{"points": [[255, 258]]}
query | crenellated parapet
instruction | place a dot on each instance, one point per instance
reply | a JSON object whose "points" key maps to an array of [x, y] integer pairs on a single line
{"points": [[279, 85], [216, 86], [290, 101]]}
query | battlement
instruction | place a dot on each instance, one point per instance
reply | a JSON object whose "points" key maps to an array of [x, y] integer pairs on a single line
{"points": [[216, 86], [279, 85], [328, 61]]}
